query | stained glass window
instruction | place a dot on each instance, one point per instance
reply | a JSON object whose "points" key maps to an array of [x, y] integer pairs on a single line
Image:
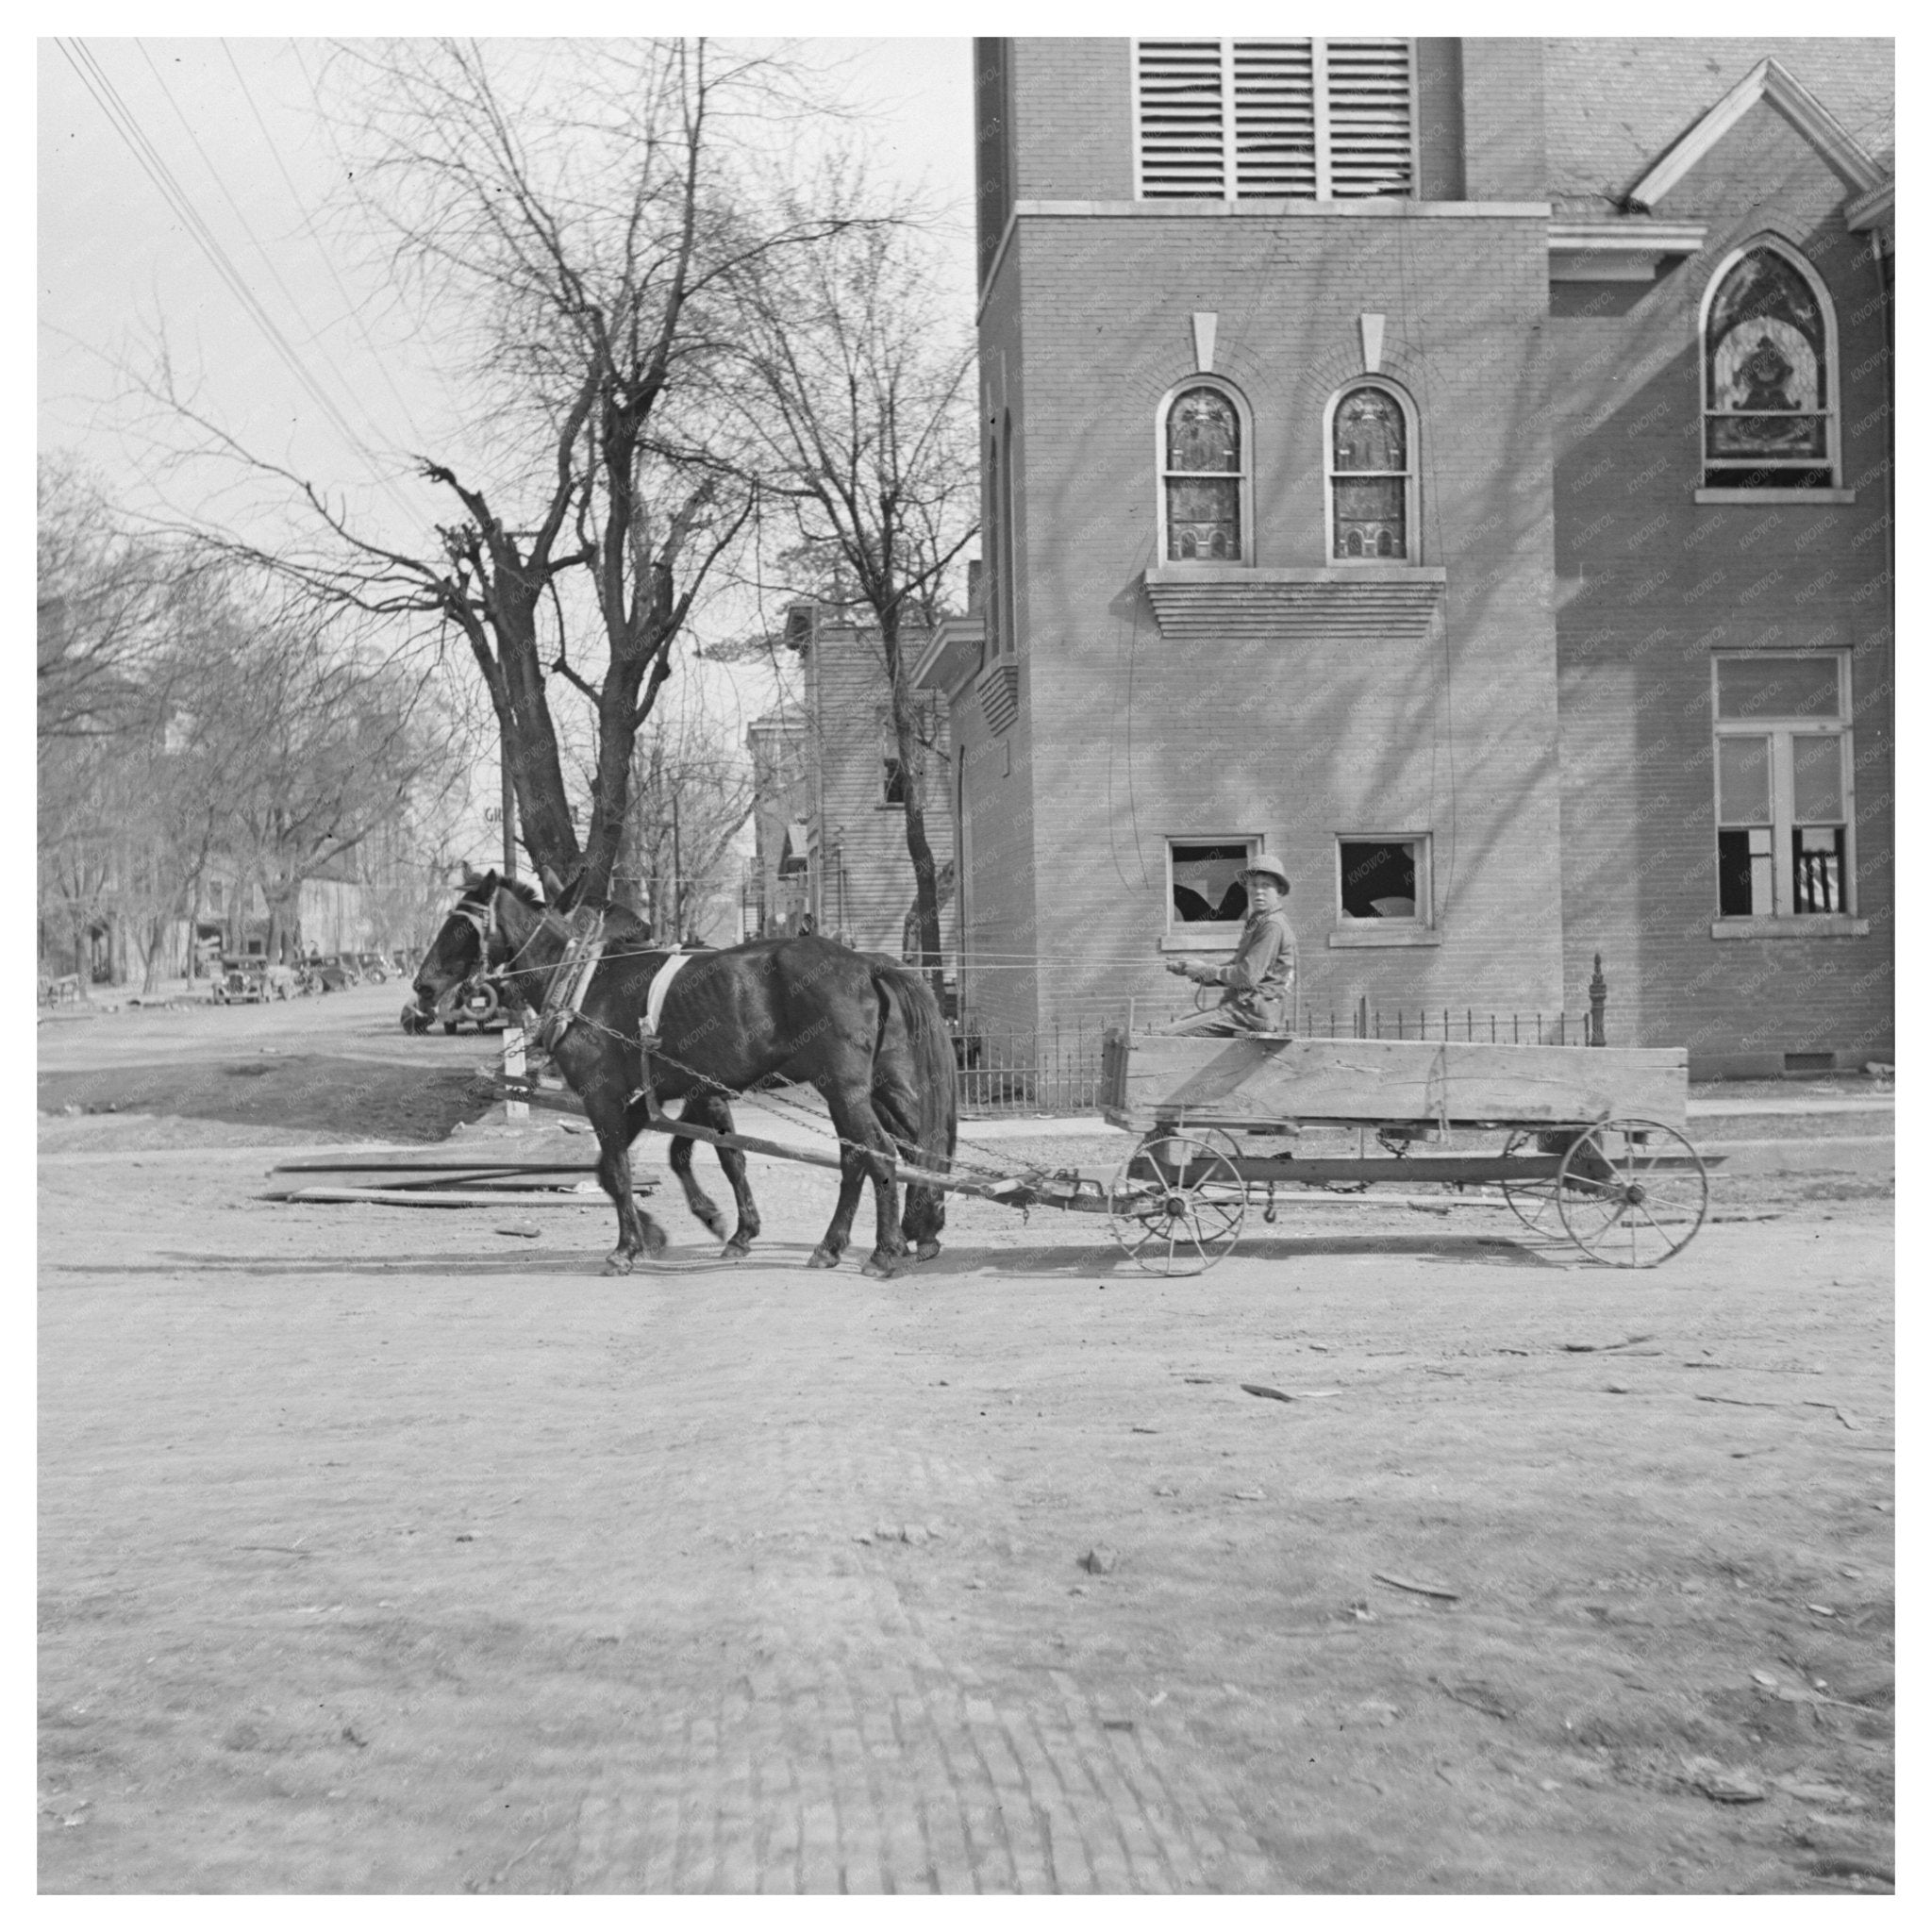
{"points": [[1203, 477], [1767, 414], [1368, 467]]}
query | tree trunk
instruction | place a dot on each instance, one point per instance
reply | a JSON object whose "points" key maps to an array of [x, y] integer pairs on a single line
{"points": [[925, 895]]}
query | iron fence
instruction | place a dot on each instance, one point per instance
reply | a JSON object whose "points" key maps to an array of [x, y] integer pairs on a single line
{"points": [[1026, 1070], [1058, 1069]]}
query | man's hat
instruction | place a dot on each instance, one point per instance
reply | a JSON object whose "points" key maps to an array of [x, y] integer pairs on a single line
{"points": [[1268, 868]]}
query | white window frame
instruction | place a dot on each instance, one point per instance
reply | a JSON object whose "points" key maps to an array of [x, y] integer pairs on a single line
{"points": [[1781, 727], [1834, 400], [1245, 476], [1388, 931], [1411, 495], [1229, 132], [1199, 935]]}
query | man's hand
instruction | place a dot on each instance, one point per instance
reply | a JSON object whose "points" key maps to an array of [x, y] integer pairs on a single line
{"points": [[1179, 966]]}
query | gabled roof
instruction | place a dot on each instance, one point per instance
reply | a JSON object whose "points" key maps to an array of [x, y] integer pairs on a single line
{"points": [[1767, 81], [1615, 108]]}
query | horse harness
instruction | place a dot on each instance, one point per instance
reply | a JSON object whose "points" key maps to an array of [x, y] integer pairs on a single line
{"points": [[569, 984]]}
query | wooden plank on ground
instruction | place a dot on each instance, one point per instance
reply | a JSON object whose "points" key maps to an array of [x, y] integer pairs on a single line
{"points": [[430, 1160], [401, 1198], [457, 1178], [1206, 1079]]}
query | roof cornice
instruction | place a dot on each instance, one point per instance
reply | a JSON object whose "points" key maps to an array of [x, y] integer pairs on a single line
{"points": [[1872, 209], [1767, 81]]}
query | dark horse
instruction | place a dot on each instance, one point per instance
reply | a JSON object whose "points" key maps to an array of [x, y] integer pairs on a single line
{"points": [[864, 1031]]}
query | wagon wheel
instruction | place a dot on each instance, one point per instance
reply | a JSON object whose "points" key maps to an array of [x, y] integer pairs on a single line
{"points": [[1632, 1193], [1534, 1203], [1186, 1221]]}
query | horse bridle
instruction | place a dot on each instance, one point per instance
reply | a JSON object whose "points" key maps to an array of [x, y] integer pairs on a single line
{"points": [[492, 922]]}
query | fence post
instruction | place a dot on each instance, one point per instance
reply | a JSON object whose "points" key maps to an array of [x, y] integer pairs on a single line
{"points": [[513, 1069], [1599, 994]]}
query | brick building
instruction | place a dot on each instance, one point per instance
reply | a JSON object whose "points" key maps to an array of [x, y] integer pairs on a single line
{"points": [[1458, 468], [829, 821]]}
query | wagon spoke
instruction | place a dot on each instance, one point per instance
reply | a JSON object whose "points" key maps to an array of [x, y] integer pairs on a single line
{"points": [[1657, 1193]]}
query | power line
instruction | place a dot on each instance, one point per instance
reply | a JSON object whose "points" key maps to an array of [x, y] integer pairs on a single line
{"points": [[350, 307], [127, 125], [235, 208]]}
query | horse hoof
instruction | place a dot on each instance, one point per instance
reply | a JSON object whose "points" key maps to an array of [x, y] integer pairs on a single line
{"points": [[715, 1223], [617, 1264], [929, 1250], [882, 1267], [822, 1258], [655, 1241], [736, 1251]]}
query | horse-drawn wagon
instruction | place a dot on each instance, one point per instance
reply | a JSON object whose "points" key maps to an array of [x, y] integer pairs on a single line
{"points": [[1592, 1143], [1592, 1138]]}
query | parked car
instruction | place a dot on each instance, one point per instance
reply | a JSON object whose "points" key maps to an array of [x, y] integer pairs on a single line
{"points": [[243, 981], [372, 966], [331, 972]]}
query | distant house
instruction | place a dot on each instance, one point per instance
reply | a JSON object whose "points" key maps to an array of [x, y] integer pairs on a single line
{"points": [[829, 825]]}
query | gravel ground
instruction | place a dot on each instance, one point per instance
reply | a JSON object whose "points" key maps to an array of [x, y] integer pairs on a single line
{"points": [[381, 1551]]}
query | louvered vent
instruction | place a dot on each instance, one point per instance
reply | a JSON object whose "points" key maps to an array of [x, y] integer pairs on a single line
{"points": [[1183, 134], [999, 695], [1274, 118], [1295, 120], [1371, 117]]}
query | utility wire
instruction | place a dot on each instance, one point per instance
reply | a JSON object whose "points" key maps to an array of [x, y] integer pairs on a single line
{"points": [[127, 125], [350, 307]]}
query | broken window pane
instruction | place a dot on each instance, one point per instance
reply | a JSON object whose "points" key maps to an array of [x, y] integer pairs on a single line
{"points": [[1378, 878], [1818, 863], [1207, 882], [895, 782]]}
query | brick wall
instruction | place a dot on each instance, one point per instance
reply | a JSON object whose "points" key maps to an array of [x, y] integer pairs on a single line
{"points": [[1553, 733], [1650, 583], [866, 883], [1073, 120], [1504, 154], [1137, 737]]}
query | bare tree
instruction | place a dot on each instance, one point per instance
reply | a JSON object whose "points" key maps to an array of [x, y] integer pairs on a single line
{"points": [[855, 392], [575, 217], [181, 726], [326, 751], [102, 600], [691, 791]]}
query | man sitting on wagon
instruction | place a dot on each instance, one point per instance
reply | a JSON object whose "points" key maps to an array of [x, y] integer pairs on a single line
{"points": [[1261, 978]]}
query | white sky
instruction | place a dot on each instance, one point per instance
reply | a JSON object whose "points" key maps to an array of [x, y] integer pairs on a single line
{"points": [[233, 125]]}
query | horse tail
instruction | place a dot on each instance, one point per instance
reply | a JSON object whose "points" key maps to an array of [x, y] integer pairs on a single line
{"points": [[922, 1069]]}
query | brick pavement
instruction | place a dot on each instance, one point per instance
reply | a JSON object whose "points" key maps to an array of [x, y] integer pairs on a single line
{"points": [[588, 1572]]}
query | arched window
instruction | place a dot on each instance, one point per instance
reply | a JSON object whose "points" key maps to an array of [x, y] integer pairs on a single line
{"points": [[1370, 440], [1203, 482], [1770, 343]]}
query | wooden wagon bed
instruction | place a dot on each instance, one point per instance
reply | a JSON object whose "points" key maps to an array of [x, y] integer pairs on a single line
{"points": [[1206, 1080]]}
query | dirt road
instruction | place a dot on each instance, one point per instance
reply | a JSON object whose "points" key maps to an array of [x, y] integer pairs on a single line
{"points": [[383, 1551]]}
